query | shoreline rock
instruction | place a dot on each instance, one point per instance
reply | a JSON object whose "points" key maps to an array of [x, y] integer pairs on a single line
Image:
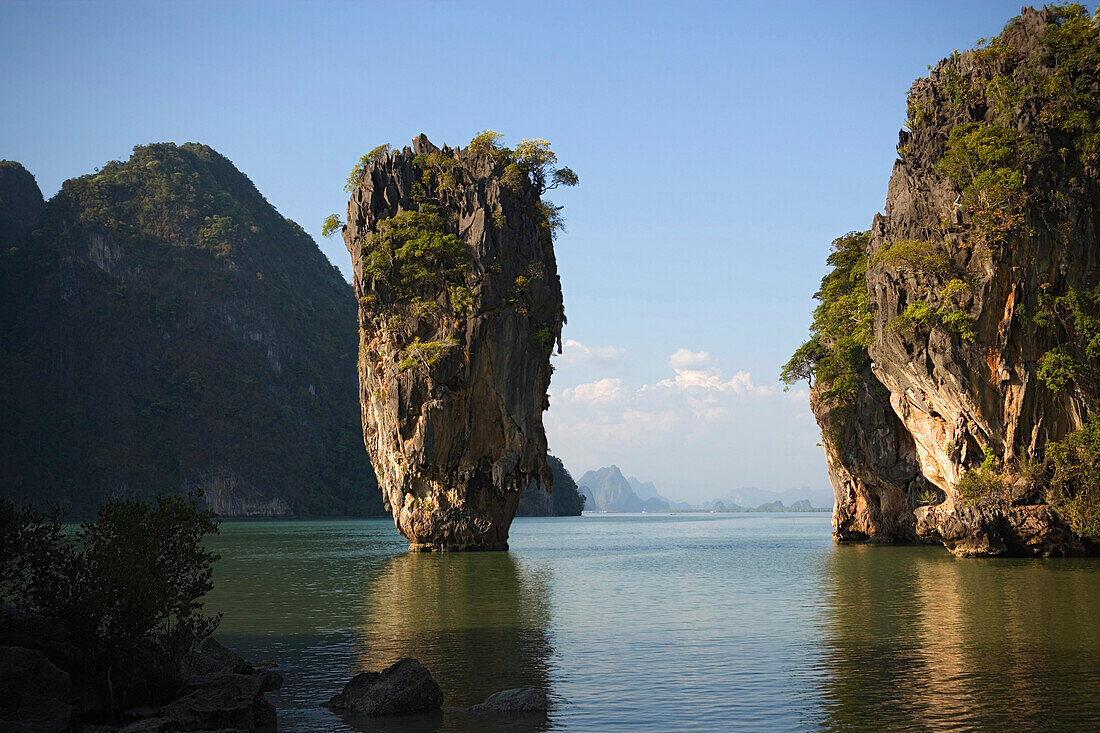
{"points": [[406, 686]]}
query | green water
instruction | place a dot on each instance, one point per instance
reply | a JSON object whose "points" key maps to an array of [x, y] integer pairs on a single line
{"points": [[669, 623]]}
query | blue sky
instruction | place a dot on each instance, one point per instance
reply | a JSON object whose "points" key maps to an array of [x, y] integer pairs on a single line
{"points": [[721, 146]]}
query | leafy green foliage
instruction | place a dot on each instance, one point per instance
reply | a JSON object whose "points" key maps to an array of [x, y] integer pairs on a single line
{"points": [[920, 256], [929, 497], [984, 161], [425, 354], [128, 586], [977, 484], [486, 142], [414, 254], [983, 482], [1076, 461], [331, 225], [835, 356], [1056, 368], [364, 164]]}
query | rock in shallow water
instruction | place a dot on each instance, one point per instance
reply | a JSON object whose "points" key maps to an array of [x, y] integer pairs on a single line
{"points": [[406, 686], [518, 700], [460, 305]]}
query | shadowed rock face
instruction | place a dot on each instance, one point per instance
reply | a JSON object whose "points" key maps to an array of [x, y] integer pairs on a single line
{"points": [[963, 389], [453, 370]]}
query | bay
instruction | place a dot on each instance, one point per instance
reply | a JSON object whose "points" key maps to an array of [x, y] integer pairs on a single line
{"points": [[692, 622]]}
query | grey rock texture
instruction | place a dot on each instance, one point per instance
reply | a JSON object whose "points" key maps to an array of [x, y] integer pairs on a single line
{"points": [[518, 700], [951, 399], [406, 686], [165, 329], [455, 441], [223, 692]]}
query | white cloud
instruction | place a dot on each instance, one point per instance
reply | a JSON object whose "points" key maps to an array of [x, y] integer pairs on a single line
{"points": [[605, 390], [688, 359], [574, 352], [697, 422]]}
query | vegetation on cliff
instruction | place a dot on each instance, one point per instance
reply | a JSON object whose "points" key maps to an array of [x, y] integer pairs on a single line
{"points": [[835, 356], [165, 328], [982, 303], [459, 307], [1023, 150], [563, 501]]}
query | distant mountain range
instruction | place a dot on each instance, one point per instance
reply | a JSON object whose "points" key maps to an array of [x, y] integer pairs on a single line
{"points": [[608, 490]]}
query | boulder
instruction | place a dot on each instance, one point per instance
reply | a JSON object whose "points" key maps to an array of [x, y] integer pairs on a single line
{"points": [[35, 695], [518, 700], [223, 692], [406, 686]]}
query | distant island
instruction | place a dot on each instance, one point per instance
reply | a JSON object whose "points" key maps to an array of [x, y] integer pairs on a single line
{"points": [[607, 490]]}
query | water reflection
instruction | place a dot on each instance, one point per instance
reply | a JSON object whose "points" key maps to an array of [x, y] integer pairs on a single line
{"points": [[478, 621], [917, 638]]}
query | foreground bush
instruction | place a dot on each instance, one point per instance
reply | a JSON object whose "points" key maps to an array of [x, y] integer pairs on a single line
{"points": [[127, 586]]}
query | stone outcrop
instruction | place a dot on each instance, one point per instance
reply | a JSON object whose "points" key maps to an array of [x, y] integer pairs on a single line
{"points": [[49, 685], [872, 466], [455, 337], [165, 329], [222, 692], [406, 686], [990, 229]]}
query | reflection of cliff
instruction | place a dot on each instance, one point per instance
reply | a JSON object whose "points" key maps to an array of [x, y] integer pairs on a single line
{"points": [[477, 621], [918, 640]]}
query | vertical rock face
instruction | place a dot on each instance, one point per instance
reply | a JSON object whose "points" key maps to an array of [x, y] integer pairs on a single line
{"points": [[983, 282], [872, 465], [163, 329], [459, 307]]}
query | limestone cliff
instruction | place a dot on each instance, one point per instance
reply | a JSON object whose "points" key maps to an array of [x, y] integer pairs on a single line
{"points": [[459, 308], [163, 329], [983, 305]]}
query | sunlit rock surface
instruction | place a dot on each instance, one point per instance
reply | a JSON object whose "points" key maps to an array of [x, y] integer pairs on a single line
{"points": [[453, 392], [964, 389]]}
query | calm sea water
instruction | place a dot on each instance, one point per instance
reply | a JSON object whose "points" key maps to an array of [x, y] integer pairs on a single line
{"points": [[669, 623]]}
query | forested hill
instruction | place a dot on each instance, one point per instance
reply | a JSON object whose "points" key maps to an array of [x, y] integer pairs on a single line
{"points": [[164, 328]]}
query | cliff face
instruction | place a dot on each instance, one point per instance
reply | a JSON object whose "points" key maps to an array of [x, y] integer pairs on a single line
{"points": [[459, 307], [872, 464], [164, 329], [982, 279]]}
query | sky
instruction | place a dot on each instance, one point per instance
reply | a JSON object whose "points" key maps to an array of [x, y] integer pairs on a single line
{"points": [[721, 147]]}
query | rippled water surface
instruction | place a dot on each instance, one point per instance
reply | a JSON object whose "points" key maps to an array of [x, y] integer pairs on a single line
{"points": [[668, 623]]}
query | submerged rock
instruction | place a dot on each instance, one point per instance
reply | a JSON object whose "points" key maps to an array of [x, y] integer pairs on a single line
{"points": [[459, 306], [406, 686], [518, 700]]}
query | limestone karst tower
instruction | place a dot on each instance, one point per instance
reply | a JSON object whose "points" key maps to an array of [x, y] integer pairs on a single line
{"points": [[460, 306]]}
